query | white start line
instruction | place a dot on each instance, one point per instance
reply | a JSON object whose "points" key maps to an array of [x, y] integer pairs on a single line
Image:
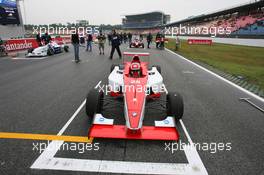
{"points": [[48, 161]]}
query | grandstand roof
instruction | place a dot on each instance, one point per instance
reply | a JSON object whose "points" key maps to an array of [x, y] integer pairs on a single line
{"points": [[230, 10], [145, 13]]}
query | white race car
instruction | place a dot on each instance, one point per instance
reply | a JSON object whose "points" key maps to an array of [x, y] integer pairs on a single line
{"points": [[47, 50]]}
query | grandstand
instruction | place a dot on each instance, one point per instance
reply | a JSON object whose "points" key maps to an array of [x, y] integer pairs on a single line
{"points": [[11, 26], [246, 20], [145, 20]]}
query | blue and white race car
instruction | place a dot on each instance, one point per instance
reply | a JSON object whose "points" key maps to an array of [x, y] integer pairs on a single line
{"points": [[47, 50]]}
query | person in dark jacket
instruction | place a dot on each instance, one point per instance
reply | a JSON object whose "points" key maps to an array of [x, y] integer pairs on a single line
{"points": [[109, 37], [121, 38], [141, 37], [115, 45], [47, 38], [129, 37], [38, 39], [76, 43], [149, 39], [125, 38], [89, 42]]}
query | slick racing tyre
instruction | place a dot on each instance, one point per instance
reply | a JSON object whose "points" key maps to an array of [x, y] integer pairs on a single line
{"points": [[66, 48], [143, 46], [158, 68], [94, 103], [50, 52], [175, 106]]}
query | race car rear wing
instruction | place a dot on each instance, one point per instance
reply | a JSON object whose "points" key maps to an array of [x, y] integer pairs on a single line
{"points": [[144, 56]]}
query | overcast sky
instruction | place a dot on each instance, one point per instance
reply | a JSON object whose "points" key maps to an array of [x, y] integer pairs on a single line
{"points": [[111, 11]]}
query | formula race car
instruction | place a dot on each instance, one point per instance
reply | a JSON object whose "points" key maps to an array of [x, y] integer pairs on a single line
{"points": [[47, 50], [136, 42], [137, 86]]}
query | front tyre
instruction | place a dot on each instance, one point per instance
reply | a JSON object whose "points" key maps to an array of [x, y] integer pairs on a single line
{"points": [[94, 103], [175, 105], [50, 52]]}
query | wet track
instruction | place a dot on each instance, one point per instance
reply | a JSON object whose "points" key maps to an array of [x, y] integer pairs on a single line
{"points": [[40, 96]]}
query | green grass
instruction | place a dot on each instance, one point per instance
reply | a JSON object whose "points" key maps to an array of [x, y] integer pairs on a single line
{"points": [[233, 59]]}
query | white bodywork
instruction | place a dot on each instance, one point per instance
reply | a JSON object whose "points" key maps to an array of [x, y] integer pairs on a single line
{"points": [[39, 51], [43, 50], [116, 80]]}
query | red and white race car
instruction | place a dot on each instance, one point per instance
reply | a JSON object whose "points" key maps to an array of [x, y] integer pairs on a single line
{"points": [[136, 42], [138, 86]]}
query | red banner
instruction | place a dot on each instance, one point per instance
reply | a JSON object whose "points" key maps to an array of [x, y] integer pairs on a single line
{"points": [[166, 40], [27, 43], [200, 41], [20, 44]]}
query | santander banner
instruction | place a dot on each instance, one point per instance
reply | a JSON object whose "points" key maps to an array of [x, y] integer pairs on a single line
{"points": [[200, 41], [20, 44], [27, 43]]}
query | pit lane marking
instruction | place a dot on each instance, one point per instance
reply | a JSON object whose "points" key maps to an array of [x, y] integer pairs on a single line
{"points": [[29, 136]]}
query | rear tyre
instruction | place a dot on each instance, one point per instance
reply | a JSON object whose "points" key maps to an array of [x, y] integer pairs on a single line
{"points": [[66, 48], [94, 103], [143, 46], [175, 105], [158, 68]]}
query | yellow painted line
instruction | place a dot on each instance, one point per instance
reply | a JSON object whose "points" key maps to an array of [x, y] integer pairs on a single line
{"points": [[27, 136]]}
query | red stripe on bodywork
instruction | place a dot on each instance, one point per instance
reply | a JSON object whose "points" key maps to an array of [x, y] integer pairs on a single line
{"points": [[135, 94]]}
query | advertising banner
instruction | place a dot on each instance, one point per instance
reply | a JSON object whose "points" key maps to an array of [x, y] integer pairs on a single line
{"points": [[200, 41], [27, 43]]}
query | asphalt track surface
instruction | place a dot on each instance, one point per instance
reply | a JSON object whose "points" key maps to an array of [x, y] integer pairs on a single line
{"points": [[40, 96]]}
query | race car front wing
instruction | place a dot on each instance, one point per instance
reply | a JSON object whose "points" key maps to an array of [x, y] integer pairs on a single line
{"points": [[104, 128]]}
